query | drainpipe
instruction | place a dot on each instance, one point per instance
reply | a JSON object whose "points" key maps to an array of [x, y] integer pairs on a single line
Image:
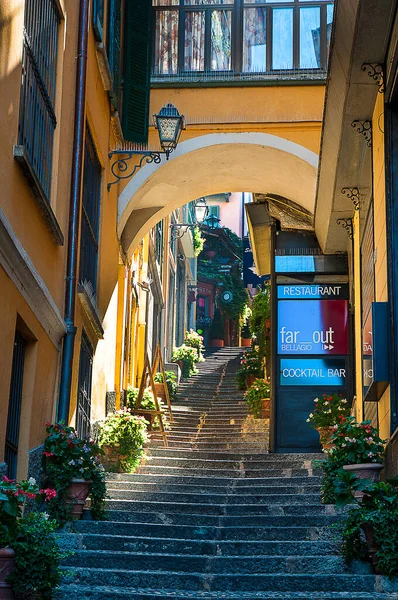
{"points": [[74, 215]]}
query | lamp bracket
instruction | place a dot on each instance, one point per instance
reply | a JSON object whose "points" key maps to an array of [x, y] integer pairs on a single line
{"points": [[121, 169], [178, 230], [375, 71]]}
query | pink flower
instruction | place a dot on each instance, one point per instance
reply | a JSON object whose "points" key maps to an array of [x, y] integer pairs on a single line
{"points": [[48, 493], [48, 454]]}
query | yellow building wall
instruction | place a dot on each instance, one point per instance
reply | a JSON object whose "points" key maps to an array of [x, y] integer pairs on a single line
{"points": [[380, 239]]}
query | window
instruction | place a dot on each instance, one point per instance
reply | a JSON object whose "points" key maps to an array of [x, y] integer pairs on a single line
{"points": [[113, 47], [90, 214], [14, 406], [159, 246], [37, 120], [240, 36], [83, 411]]}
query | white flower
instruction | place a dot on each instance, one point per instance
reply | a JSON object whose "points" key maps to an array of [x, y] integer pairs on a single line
{"points": [[308, 420], [344, 401], [335, 426], [46, 516], [32, 481], [316, 399], [343, 445], [311, 415]]}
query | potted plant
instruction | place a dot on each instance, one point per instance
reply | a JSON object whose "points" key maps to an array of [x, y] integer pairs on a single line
{"points": [[73, 467], [13, 500], [217, 331], [371, 529], [122, 437], [251, 367], [171, 382], [194, 340], [188, 357], [245, 337], [359, 447], [257, 397], [328, 409], [37, 573]]}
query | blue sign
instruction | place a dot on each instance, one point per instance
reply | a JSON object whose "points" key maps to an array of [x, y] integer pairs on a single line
{"points": [[312, 372], [313, 327], [325, 291]]}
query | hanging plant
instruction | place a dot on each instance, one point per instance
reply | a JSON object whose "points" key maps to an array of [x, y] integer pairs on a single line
{"points": [[198, 241]]}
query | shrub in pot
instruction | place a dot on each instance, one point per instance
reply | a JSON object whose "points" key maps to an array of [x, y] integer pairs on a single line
{"points": [[122, 437], [327, 411], [73, 467], [257, 397], [217, 330], [250, 368], [194, 340], [188, 357], [171, 382], [371, 528]]}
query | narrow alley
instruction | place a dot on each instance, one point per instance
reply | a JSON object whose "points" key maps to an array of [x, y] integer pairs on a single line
{"points": [[214, 515]]}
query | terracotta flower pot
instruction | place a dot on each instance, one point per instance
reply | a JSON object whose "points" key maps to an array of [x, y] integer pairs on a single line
{"points": [[113, 458], [245, 343], [265, 408], [7, 564], [216, 343], [325, 437], [249, 380], [365, 471], [76, 496]]}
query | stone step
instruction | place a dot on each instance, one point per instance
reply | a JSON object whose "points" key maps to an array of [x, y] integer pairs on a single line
{"points": [[245, 483], [247, 472], [244, 492], [188, 563], [318, 529], [213, 456], [91, 541], [251, 462], [79, 592], [297, 495], [176, 580]]}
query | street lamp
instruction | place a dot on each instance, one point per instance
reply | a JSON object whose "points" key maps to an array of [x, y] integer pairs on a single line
{"points": [[213, 222], [169, 124], [180, 229]]}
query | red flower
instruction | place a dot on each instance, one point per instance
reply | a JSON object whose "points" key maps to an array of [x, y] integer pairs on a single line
{"points": [[48, 424], [48, 454], [5, 478], [48, 493]]}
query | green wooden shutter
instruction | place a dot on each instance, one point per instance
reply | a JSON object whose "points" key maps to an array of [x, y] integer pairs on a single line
{"points": [[98, 19], [137, 67], [113, 48]]}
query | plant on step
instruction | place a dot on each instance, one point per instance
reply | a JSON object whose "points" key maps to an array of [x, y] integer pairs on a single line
{"points": [[356, 443], [194, 340], [147, 403], [124, 435], [328, 410], [171, 382], [371, 528], [250, 364], [37, 572], [15, 499], [67, 456], [188, 356], [257, 392]]}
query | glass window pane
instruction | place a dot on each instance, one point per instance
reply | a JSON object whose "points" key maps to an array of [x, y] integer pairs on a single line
{"points": [[166, 42], [329, 21], [254, 40], [206, 2], [221, 40], [282, 38], [165, 2], [310, 38], [194, 50], [267, 1]]}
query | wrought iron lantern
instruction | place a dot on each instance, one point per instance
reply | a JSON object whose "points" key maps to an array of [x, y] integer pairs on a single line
{"points": [[180, 229], [169, 124]]}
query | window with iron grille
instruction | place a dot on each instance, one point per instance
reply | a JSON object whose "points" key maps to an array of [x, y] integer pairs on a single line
{"points": [[37, 120], [83, 412], [114, 48], [14, 406], [91, 202], [241, 36]]}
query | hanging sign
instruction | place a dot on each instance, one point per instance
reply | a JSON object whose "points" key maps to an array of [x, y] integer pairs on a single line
{"points": [[313, 327]]}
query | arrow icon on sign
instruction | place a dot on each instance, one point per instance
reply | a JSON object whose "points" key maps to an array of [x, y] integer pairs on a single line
{"points": [[326, 347]]}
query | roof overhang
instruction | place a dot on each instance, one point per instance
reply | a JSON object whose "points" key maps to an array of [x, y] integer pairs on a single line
{"points": [[360, 35], [259, 224]]}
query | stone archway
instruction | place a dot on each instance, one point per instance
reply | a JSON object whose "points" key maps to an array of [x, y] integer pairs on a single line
{"points": [[211, 164]]}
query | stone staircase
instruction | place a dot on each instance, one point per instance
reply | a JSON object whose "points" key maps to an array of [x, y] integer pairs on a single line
{"points": [[215, 515]]}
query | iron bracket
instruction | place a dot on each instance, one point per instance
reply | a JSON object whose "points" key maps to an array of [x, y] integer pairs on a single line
{"points": [[120, 167], [375, 71], [347, 225], [365, 128], [354, 195]]}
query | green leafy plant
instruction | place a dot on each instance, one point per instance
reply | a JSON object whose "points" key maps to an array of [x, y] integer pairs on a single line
{"points": [[198, 241], [259, 390], [356, 443], [376, 515], [194, 340], [67, 456], [147, 403], [171, 382], [236, 308], [188, 356], [261, 312], [14, 499], [217, 330], [328, 409], [250, 364], [126, 434], [38, 556]]}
